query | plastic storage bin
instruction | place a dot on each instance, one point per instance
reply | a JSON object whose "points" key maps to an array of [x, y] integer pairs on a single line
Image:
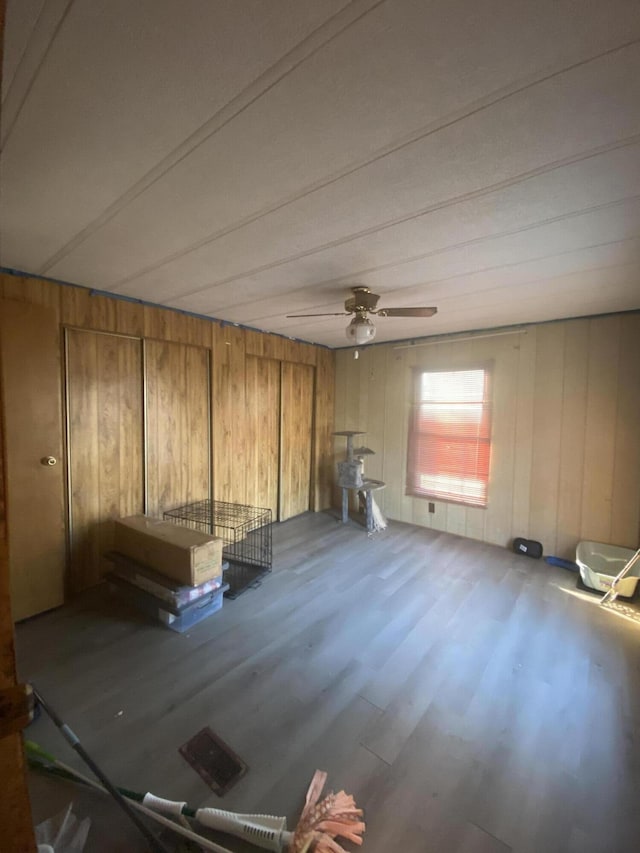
{"points": [[175, 594], [178, 619], [600, 564], [194, 614]]}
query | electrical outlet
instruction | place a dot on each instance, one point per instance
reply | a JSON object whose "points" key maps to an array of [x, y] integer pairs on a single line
{"points": [[432, 507]]}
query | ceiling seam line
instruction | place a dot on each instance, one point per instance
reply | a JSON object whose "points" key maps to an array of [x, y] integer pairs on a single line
{"points": [[321, 184], [455, 246], [451, 202], [34, 76], [148, 179], [23, 54], [458, 295], [444, 299], [539, 279], [635, 309], [436, 281], [281, 330]]}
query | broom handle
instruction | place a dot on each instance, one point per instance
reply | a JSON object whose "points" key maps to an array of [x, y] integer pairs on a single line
{"points": [[203, 843], [74, 741], [612, 592], [627, 567]]}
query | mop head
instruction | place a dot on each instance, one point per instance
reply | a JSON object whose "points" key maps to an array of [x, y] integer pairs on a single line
{"points": [[322, 822]]}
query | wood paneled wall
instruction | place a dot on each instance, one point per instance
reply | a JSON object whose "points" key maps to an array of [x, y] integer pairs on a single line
{"points": [[565, 460], [230, 433], [105, 445], [228, 346], [322, 469], [231, 430], [178, 435], [15, 809], [296, 428], [263, 430]]}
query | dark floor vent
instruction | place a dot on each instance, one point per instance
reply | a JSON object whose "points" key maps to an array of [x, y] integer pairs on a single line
{"points": [[213, 760]]}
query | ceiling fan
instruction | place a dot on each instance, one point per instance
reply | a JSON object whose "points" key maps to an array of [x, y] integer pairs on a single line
{"points": [[363, 303]]}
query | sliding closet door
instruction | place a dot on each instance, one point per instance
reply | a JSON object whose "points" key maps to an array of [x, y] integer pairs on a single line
{"points": [[105, 445], [178, 425], [262, 378], [296, 438]]}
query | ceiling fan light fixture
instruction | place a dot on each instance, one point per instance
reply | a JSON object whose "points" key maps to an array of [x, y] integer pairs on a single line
{"points": [[360, 331]]}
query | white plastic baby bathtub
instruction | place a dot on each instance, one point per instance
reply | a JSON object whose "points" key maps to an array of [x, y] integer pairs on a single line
{"points": [[599, 564]]}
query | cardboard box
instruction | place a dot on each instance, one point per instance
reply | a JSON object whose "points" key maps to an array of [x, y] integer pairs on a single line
{"points": [[177, 552]]}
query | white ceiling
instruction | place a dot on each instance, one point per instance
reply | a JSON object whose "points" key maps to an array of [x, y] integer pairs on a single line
{"points": [[247, 159]]}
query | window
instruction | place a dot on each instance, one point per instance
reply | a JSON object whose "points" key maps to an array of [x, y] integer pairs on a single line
{"points": [[450, 436]]}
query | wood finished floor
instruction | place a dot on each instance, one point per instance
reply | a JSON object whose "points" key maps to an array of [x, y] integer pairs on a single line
{"points": [[472, 700]]}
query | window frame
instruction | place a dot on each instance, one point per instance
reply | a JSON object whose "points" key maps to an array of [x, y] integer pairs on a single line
{"points": [[412, 439]]}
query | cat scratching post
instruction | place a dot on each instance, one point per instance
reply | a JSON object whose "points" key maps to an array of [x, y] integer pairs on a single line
{"points": [[351, 476]]}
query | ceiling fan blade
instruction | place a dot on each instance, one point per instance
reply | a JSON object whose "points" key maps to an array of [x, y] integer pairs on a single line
{"points": [[337, 314], [406, 312]]}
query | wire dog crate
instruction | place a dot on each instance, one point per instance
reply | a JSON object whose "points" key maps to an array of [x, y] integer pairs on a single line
{"points": [[245, 532]]}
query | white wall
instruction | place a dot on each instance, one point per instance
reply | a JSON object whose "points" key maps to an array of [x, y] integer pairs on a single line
{"points": [[565, 440]]}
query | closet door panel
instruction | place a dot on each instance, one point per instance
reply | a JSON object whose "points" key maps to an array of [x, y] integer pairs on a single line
{"points": [[262, 377], [296, 438], [105, 445], [178, 425]]}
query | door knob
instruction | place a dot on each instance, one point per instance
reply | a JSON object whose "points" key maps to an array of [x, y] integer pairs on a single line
{"points": [[48, 461]]}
